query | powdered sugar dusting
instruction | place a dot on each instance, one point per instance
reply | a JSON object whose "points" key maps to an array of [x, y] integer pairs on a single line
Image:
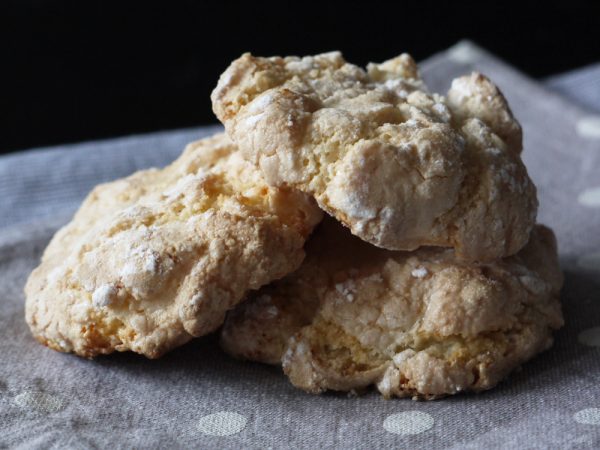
{"points": [[403, 356], [259, 104], [297, 349], [442, 111], [347, 289], [104, 296], [196, 300], [151, 262], [419, 272], [251, 121], [461, 89]]}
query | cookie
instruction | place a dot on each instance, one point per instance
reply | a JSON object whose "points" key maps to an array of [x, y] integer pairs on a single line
{"points": [[398, 165], [415, 324], [150, 261]]}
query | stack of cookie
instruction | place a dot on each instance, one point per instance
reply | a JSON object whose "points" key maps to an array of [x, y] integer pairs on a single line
{"points": [[428, 275]]}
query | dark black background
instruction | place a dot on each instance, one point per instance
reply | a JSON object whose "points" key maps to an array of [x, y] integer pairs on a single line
{"points": [[83, 70]]}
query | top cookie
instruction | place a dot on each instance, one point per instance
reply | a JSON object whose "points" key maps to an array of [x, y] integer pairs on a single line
{"points": [[154, 259], [399, 166]]}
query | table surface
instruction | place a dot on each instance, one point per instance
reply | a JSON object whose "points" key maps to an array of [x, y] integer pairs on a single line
{"points": [[198, 397]]}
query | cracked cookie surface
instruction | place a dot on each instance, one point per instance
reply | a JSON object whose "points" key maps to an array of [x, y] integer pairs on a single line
{"points": [[154, 259], [398, 165], [419, 324]]}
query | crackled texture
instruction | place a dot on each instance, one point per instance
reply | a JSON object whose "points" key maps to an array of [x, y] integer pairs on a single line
{"points": [[401, 167], [154, 259], [420, 324]]}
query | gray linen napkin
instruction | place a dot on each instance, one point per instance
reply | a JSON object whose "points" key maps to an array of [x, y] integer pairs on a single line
{"points": [[198, 397], [580, 85]]}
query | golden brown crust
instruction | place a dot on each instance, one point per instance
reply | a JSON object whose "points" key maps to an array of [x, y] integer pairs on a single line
{"points": [[414, 324], [154, 259], [399, 166]]}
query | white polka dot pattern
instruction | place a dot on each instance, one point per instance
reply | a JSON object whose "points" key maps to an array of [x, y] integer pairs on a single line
{"points": [[408, 422], [223, 423], [590, 197], [589, 127], [588, 416], [39, 402], [590, 337]]}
